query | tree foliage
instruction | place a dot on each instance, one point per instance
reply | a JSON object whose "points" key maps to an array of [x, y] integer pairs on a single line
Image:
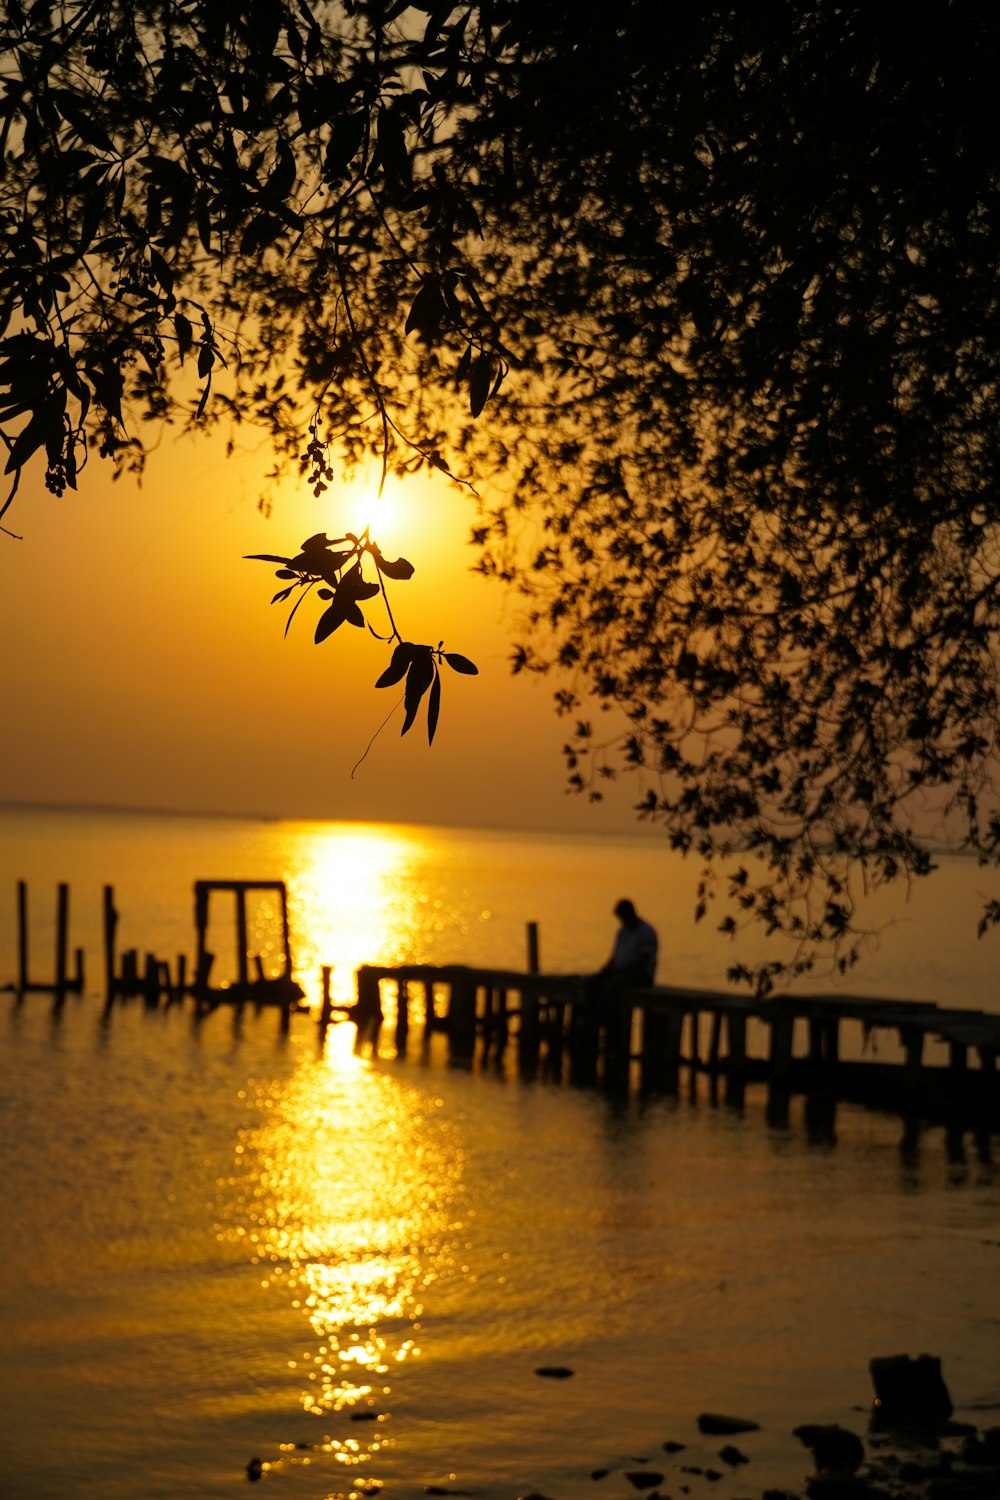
{"points": [[704, 302]]}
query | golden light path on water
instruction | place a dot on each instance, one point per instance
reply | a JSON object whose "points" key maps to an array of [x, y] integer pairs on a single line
{"points": [[348, 1195], [348, 1186]]}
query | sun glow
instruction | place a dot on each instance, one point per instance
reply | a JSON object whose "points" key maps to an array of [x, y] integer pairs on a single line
{"points": [[379, 515], [357, 894], [421, 517]]}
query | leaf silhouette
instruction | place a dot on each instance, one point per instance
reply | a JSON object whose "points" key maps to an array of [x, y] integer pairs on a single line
{"points": [[462, 664], [398, 665], [418, 679], [332, 618], [427, 311], [350, 590], [480, 381], [433, 707], [184, 333], [316, 558], [399, 568]]}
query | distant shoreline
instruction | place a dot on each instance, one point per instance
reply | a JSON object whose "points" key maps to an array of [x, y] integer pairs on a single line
{"points": [[118, 809], [647, 833]]}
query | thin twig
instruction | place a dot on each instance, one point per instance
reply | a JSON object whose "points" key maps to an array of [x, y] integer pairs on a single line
{"points": [[375, 736]]}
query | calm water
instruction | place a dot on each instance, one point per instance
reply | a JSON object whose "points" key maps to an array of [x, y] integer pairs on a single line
{"points": [[222, 1244]]}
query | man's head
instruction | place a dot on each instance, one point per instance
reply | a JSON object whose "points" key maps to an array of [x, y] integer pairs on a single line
{"points": [[626, 913]]}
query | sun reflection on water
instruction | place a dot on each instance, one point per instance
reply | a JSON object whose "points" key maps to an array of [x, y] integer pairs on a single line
{"points": [[349, 1196], [359, 893]]}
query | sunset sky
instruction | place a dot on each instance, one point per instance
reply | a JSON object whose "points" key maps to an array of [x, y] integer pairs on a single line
{"points": [[145, 667]]}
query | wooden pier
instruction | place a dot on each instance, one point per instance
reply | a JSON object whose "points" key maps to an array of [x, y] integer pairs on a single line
{"points": [[133, 973], [913, 1056], [892, 1053]]}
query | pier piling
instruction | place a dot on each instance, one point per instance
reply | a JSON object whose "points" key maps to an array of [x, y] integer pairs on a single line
{"points": [[62, 982]]}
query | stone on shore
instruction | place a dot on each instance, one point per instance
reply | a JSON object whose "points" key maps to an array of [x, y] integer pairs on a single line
{"points": [[833, 1448], [643, 1479], [719, 1426], [910, 1392]]}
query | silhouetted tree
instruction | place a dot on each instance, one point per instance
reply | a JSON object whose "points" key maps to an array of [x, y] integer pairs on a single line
{"points": [[703, 300]]}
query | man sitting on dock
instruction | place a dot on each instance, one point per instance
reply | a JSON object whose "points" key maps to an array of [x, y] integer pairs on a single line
{"points": [[632, 962]]}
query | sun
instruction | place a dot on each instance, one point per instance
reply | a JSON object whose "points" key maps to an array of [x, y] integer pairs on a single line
{"points": [[366, 509], [416, 516]]}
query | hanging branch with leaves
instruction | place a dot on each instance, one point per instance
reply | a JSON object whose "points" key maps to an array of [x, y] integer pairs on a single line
{"points": [[334, 567]]}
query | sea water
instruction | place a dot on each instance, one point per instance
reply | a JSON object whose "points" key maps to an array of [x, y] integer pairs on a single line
{"points": [[225, 1244]]}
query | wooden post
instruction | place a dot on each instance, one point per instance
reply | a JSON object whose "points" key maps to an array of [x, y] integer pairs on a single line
{"points": [[737, 1040], [202, 960], [402, 1016], [661, 1036], [693, 1026], [241, 938], [151, 981], [502, 1021], [62, 931], [815, 1040], [130, 972], [619, 1028], [286, 939], [485, 1022], [326, 1007], [205, 962], [715, 1045], [782, 1036], [532, 947], [618, 1042], [529, 1024], [462, 1016], [368, 1009], [22, 935], [110, 931], [430, 1018], [177, 992], [912, 1038], [555, 1025]]}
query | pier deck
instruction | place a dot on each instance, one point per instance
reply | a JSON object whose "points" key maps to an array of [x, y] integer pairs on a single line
{"points": [[892, 1052]]}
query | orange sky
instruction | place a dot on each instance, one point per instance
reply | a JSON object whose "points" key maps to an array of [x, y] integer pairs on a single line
{"points": [[145, 667]]}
